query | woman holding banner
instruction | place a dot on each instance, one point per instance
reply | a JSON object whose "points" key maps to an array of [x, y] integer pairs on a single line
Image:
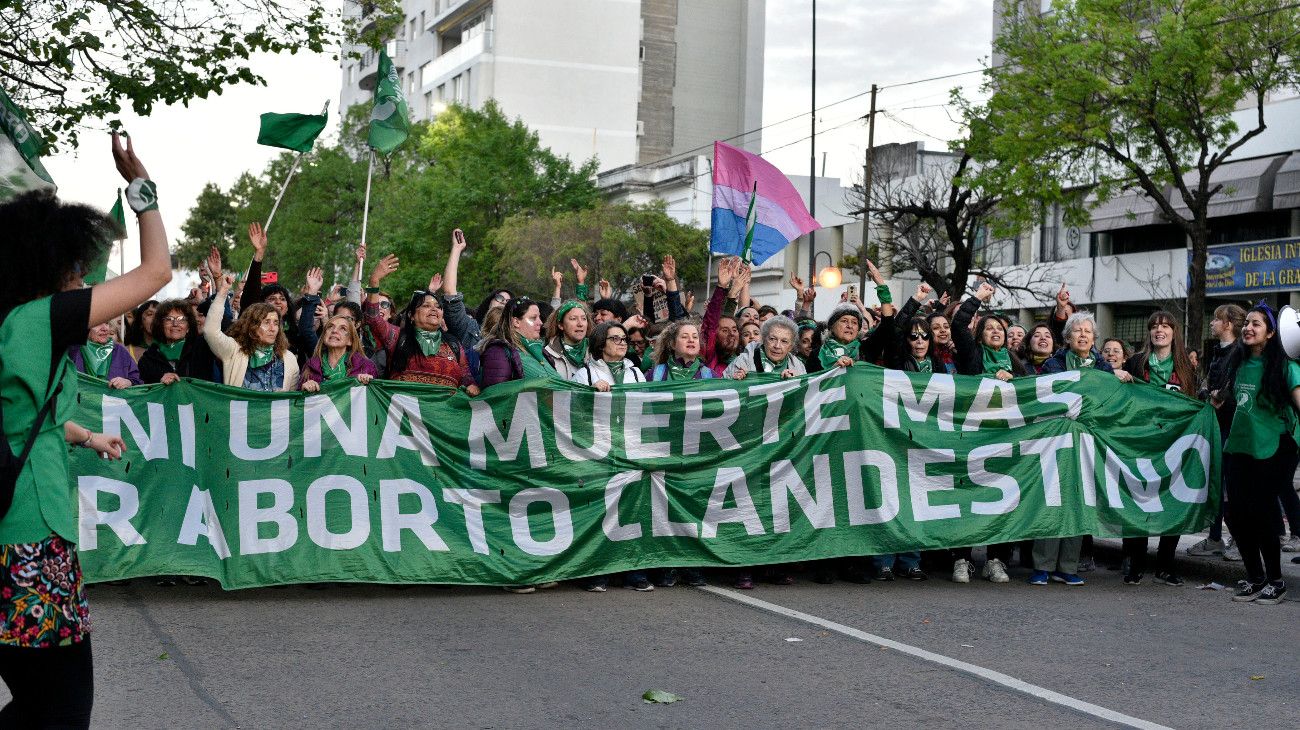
{"points": [[105, 359], [417, 351], [566, 338], [338, 356], [177, 350], [45, 655], [1265, 385], [255, 355], [1162, 362]]}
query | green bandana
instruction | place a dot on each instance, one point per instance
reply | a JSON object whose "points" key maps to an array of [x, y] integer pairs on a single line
{"points": [[171, 351], [97, 358], [261, 356], [1038, 360], [773, 367], [576, 354], [334, 372], [923, 365], [648, 359], [832, 350], [677, 371], [534, 349], [1160, 371], [429, 341], [995, 360], [616, 370], [1074, 362]]}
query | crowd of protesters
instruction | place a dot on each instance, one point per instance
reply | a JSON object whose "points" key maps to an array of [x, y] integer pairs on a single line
{"points": [[236, 331]]}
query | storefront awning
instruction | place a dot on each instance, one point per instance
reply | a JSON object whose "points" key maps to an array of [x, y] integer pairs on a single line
{"points": [[1286, 184], [1247, 187], [1129, 209]]}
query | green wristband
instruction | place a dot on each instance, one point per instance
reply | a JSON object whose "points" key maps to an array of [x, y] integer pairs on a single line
{"points": [[882, 293], [371, 290], [142, 195]]}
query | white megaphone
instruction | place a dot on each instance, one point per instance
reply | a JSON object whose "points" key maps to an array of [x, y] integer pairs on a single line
{"points": [[1288, 329]]}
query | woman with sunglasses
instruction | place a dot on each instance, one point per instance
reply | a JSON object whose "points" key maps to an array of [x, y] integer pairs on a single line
{"points": [[338, 356], [1162, 362], [1265, 385], [178, 350], [417, 350]]}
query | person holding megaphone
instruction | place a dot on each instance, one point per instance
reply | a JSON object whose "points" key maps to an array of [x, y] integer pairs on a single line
{"points": [[1265, 386]]}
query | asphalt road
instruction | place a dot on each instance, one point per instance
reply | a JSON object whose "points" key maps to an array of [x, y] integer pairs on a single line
{"points": [[360, 655]]}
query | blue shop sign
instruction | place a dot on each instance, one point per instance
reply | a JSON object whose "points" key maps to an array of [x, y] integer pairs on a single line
{"points": [[1248, 268]]}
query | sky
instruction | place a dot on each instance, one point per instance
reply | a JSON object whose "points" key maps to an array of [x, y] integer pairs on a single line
{"points": [[886, 42]]}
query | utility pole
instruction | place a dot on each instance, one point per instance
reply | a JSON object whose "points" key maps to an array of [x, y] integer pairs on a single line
{"points": [[866, 192], [812, 161]]}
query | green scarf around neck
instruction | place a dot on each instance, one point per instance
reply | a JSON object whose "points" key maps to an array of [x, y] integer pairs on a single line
{"points": [[995, 360], [172, 350], [575, 354], [535, 348], [772, 367], [261, 356], [1159, 372], [429, 341], [923, 365], [833, 350], [678, 371], [1074, 362], [97, 358], [616, 370], [334, 372]]}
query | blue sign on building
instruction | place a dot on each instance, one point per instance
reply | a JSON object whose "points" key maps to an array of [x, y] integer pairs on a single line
{"points": [[1250, 268]]}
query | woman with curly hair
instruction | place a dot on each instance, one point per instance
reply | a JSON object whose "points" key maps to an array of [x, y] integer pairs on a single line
{"points": [[45, 655], [255, 354], [178, 350]]}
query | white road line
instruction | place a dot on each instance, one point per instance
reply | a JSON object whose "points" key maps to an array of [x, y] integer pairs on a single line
{"points": [[1005, 680]]}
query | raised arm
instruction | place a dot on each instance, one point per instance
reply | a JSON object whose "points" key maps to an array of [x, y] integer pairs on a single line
{"points": [[253, 282], [460, 325], [119, 295], [354, 286]]}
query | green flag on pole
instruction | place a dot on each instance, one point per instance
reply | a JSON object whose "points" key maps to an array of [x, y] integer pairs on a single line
{"points": [[20, 153], [750, 220], [389, 123], [97, 271], [295, 132]]}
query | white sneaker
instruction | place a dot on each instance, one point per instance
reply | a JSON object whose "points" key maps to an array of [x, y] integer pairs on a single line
{"points": [[1291, 544], [996, 571], [1231, 553], [1206, 547], [962, 570]]}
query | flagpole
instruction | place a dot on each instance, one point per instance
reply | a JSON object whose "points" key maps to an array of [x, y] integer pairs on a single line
{"points": [[296, 161], [365, 215]]}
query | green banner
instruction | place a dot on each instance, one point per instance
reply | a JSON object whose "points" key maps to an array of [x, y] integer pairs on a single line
{"points": [[538, 480]]}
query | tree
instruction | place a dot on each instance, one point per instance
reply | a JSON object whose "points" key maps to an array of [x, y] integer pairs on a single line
{"points": [[468, 169], [939, 219], [1129, 93], [70, 61], [615, 242]]}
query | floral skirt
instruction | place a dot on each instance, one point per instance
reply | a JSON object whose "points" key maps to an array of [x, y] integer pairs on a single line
{"points": [[42, 597]]}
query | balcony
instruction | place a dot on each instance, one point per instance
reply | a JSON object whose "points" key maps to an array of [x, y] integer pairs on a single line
{"points": [[368, 69], [466, 54]]}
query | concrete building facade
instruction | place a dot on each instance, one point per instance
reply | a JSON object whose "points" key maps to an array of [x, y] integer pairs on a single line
{"points": [[625, 81]]}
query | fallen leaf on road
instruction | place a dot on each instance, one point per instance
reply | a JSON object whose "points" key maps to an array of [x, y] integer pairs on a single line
{"points": [[163, 656], [1212, 587], [660, 697], [1256, 677], [968, 646], [925, 621]]}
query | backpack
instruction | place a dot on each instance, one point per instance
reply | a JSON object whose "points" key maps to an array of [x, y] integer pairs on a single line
{"points": [[11, 464]]}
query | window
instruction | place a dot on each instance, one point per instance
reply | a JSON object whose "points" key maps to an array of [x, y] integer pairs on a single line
{"points": [[455, 88], [425, 78], [410, 83], [465, 86], [442, 92], [410, 32], [352, 74], [428, 105]]}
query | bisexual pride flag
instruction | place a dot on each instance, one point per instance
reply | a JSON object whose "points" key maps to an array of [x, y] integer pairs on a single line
{"points": [[756, 211]]}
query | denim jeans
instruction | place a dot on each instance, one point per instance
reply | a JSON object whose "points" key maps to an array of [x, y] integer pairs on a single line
{"points": [[906, 561]]}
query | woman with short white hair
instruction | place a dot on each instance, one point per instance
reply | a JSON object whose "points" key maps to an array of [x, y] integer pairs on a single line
{"points": [[773, 353]]}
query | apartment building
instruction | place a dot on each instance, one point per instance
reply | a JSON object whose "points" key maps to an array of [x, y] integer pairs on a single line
{"points": [[626, 81]]}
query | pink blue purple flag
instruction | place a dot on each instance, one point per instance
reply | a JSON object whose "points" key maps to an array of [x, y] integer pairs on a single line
{"points": [[756, 211]]}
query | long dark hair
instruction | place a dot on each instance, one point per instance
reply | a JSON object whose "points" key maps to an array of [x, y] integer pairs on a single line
{"points": [[1273, 384], [408, 343], [135, 334], [1182, 363], [1017, 366], [504, 329], [45, 241], [481, 311]]}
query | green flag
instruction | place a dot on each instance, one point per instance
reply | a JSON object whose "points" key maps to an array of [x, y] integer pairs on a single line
{"points": [[295, 132], [389, 125], [97, 271], [20, 153]]}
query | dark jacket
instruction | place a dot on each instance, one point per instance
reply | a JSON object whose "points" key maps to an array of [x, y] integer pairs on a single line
{"points": [[969, 355], [196, 361], [501, 363]]}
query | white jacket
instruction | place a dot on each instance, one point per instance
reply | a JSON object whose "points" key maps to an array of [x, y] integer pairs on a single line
{"points": [[749, 356], [595, 371], [234, 363]]}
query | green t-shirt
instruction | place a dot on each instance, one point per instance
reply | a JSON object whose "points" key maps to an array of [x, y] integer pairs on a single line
{"points": [[1258, 425], [43, 495]]}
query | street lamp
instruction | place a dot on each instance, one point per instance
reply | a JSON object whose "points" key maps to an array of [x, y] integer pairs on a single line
{"points": [[829, 277]]}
